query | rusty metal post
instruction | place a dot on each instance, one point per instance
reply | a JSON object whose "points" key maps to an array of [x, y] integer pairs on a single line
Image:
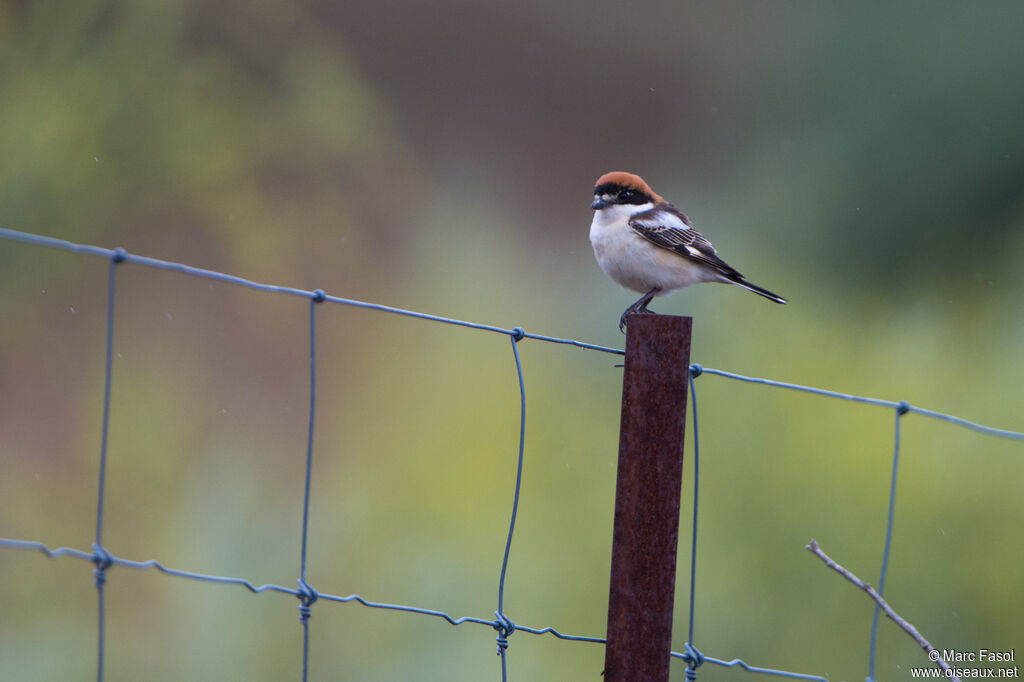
{"points": [[647, 498]]}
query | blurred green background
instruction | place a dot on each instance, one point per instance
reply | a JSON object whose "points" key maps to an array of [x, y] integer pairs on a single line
{"points": [[865, 160]]}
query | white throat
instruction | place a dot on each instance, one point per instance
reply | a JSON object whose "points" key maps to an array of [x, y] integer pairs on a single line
{"points": [[616, 214]]}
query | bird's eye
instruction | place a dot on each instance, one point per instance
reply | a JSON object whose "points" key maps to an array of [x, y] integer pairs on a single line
{"points": [[627, 194]]}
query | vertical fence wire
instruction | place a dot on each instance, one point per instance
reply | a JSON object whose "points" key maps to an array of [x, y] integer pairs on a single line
{"points": [[306, 594], [504, 626], [901, 409], [101, 558], [693, 657]]}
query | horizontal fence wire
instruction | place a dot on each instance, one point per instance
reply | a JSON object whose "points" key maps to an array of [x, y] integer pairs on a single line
{"points": [[126, 257], [898, 404], [103, 559]]}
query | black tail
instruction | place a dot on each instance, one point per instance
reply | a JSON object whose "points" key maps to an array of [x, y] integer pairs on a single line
{"points": [[758, 290]]}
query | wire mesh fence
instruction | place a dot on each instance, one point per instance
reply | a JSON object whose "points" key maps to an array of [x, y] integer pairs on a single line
{"points": [[103, 559]]}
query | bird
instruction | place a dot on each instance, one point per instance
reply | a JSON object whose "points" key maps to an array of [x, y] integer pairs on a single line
{"points": [[648, 245]]}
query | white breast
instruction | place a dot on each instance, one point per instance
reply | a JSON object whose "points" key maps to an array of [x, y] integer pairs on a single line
{"points": [[634, 262]]}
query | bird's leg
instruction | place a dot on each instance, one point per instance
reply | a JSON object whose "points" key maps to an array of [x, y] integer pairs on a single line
{"points": [[639, 307]]}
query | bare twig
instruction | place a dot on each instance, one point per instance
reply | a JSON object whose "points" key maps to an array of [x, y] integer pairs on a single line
{"points": [[893, 616]]}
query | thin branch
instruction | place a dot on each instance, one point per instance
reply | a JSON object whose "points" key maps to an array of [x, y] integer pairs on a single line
{"points": [[893, 616]]}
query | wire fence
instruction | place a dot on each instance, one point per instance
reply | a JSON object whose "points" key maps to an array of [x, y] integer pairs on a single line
{"points": [[103, 559]]}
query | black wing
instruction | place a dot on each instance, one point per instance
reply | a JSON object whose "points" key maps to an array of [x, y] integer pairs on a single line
{"points": [[669, 228]]}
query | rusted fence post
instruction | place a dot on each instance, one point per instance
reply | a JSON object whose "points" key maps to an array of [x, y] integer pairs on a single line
{"points": [[647, 498]]}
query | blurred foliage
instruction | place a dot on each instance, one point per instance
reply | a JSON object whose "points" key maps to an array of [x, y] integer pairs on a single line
{"points": [[865, 160]]}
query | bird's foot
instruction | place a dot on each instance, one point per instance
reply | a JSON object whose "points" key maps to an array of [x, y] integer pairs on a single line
{"points": [[638, 309]]}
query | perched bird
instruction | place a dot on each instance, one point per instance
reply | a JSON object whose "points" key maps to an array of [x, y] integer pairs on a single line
{"points": [[646, 244]]}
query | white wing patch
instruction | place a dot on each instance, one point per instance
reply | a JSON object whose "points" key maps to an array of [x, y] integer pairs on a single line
{"points": [[660, 217]]}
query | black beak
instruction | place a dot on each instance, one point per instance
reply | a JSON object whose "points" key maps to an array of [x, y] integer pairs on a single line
{"points": [[599, 203]]}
